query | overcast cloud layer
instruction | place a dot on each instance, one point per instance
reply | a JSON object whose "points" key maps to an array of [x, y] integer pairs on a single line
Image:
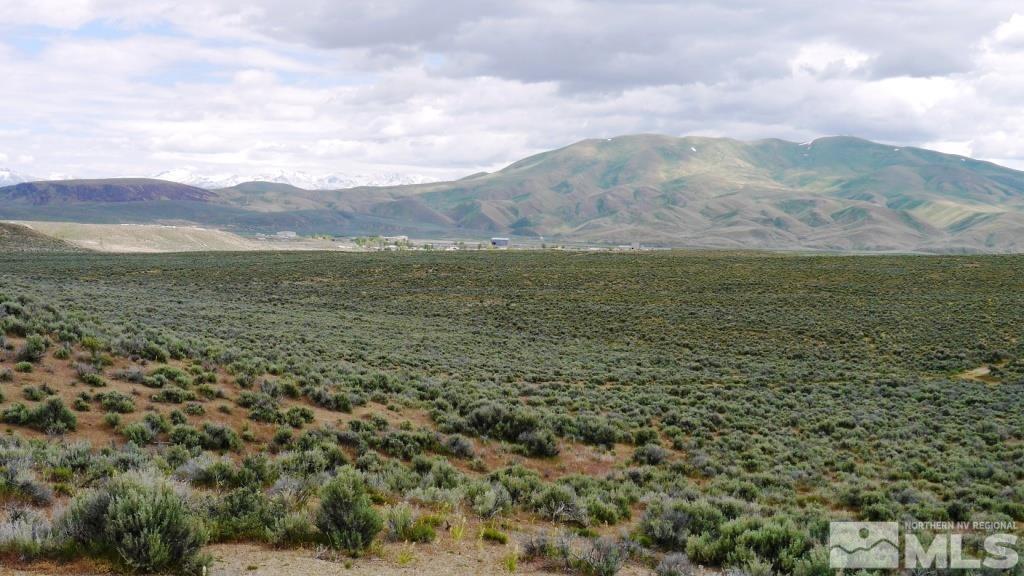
{"points": [[111, 87]]}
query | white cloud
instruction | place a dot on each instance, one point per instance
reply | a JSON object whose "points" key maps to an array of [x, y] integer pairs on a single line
{"points": [[116, 87], [827, 59]]}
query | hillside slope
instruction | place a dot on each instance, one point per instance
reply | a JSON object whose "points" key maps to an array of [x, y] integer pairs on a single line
{"points": [[23, 239], [155, 238], [833, 193], [836, 193], [106, 190]]}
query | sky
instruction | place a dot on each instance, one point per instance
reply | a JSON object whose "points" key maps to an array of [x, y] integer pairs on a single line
{"points": [[99, 88]]}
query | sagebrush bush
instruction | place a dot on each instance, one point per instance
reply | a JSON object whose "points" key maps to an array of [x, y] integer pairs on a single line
{"points": [[675, 564], [27, 534], [403, 525], [220, 437], [173, 395], [246, 513], [488, 499], [139, 519], [139, 433], [559, 503], [294, 529], [115, 401], [346, 517], [459, 446], [52, 416], [668, 522], [33, 348], [19, 481], [650, 454]]}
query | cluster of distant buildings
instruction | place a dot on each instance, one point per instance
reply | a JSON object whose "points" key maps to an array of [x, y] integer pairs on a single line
{"points": [[402, 242]]}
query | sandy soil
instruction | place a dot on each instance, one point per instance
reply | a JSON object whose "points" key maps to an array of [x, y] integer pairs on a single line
{"points": [[438, 559], [152, 238]]}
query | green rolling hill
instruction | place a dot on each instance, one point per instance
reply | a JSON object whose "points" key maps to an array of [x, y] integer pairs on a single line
{"points": [[836, 193]]}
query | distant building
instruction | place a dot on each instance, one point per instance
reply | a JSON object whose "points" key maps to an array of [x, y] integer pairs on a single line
{"points": [[394, 239], [499, 242], [286, 234]]}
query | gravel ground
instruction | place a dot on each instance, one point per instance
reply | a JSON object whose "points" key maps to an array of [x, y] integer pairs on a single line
{"points": [[444, 559]]}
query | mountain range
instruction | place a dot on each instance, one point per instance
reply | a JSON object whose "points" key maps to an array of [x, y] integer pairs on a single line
{"points": [[293, 178], [835, 193]]}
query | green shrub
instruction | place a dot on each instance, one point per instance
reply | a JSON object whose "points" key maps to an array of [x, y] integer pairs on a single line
{"points": [[185, 435], [220, 437], [158, 422], [245, 513], [814, 563], [93, 379], [33, 394], [262, 407], [164, 375], [33, 348], [668, 523], [404, 526], [488, 499], [282, 437], [601, 557], [559, 503], [139, 433], [7, 375], [115, 401], [19, 481], [675, 564], [541, 443], [52, 416], [296, 416], [777, 541], [293, 529], [209, 392], [23, 367], [173, 395], [399, 521], [492, 534], [178, 417], [650, 454], [346, 518], [27, 534], [459, 446], [141, 521], [16, 413]]}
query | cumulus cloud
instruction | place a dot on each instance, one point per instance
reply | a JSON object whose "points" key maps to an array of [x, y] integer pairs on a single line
{"points": [[102, 87]]}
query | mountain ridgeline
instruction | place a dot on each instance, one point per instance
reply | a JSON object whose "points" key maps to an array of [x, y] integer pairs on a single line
{"points": [[836, 193]]}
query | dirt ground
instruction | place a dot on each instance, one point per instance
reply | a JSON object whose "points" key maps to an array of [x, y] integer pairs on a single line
{"points": [[443, 558]]}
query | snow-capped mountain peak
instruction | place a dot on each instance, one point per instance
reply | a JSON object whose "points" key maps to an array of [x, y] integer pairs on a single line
{"points": [[293, 178], [10, 177]]}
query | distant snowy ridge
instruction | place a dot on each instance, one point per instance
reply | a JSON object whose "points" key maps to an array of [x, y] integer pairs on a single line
{"points": [[9, 177], [297, 179]]}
